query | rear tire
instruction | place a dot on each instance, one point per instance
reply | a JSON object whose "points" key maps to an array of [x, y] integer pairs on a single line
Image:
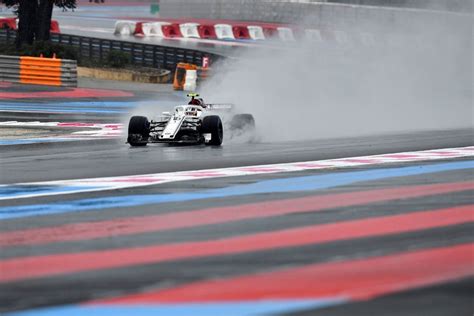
{"points": [[213, 125], [138, 131]]}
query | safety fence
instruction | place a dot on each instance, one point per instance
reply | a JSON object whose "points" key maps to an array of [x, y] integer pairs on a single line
{"points": [[38, 70], [146, 55]]}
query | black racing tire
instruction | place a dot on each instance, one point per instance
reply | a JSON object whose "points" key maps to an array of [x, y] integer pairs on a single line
{"points": [[212, 124], [138, 131], [242, 121]]}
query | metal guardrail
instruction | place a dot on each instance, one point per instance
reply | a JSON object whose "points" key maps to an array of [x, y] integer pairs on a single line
{"points": [[9, 68], [38, 70], [146, 55]]}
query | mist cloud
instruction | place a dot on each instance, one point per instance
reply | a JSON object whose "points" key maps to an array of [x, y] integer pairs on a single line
{"points": [[419, 77]]}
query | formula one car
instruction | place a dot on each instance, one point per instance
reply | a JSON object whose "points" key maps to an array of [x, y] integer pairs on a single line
{"points": [[193, 123]]}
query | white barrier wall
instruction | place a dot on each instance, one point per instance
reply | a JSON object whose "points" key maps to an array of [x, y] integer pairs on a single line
{"points": [[224, 31], [125, 27], [285, 34], [153, 29], [189, 30], [256, 32], [190, 81], [314, 35]]}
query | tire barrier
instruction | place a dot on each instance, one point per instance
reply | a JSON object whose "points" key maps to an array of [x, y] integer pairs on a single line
{"points": [[38, 70]]}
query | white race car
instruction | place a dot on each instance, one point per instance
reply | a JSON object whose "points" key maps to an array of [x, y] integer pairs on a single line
{"points": [[194, 123]]}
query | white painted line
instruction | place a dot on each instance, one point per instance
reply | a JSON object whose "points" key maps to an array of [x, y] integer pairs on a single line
{"points": [[95, 130], [122, 182]]}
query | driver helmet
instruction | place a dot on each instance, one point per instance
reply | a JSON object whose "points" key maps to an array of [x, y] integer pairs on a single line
{"points": [[196, 101]]}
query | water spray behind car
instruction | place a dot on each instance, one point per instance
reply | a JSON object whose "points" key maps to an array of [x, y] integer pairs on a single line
{"points": [[416, 76]]}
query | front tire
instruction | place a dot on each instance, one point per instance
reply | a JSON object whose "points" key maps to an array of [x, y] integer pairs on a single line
{"points": [[138, 131], [213, 125]]}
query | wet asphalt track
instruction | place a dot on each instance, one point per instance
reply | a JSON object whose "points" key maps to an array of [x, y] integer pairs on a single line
{"points": [[376, 236], [372, 239], [102, 158], [42, 162]]}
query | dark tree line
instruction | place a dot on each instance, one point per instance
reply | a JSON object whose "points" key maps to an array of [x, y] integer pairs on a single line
{"points": [[35, 18]]}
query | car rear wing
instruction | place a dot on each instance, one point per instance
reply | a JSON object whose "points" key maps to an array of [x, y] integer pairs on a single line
{"points": [[220, 106]]}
